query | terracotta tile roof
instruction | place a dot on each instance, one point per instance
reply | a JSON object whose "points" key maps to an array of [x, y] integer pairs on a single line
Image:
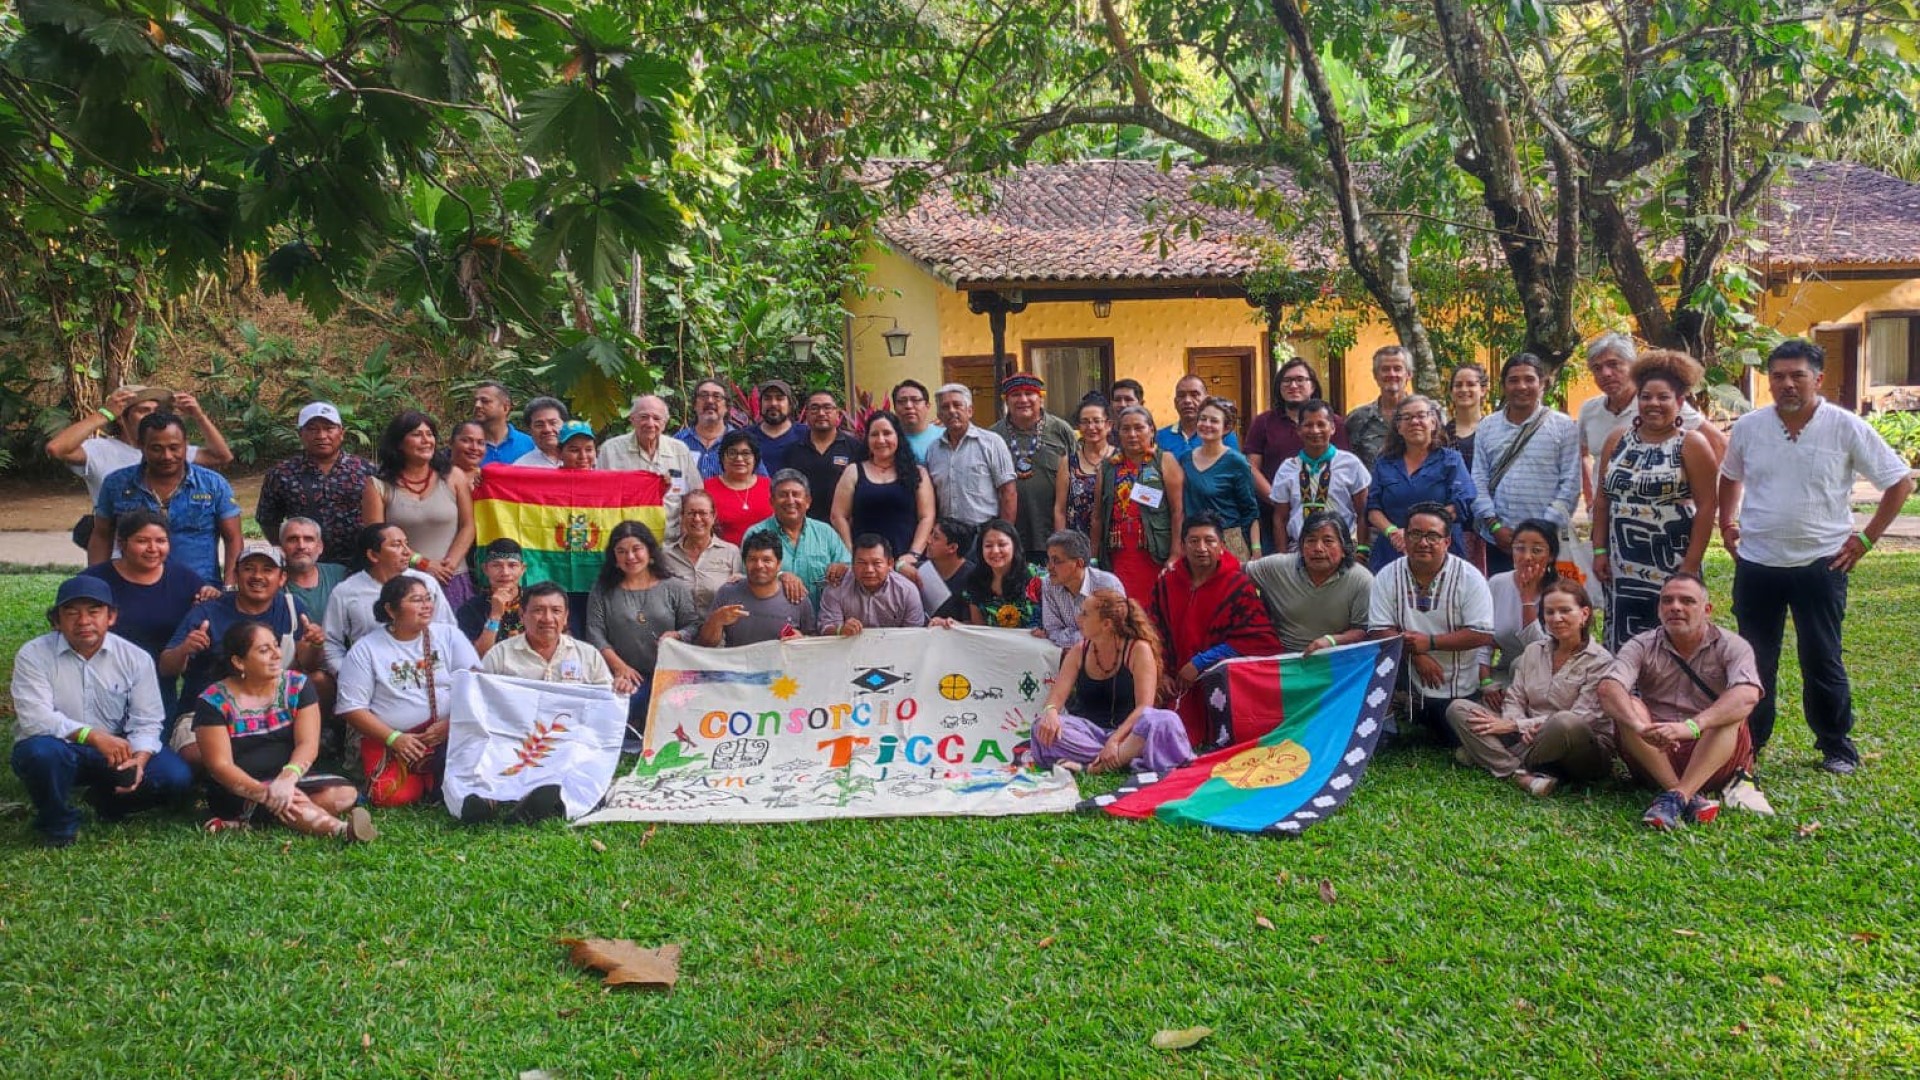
{"points": [[1832, 213], [1090, 221], [1101, 222]]}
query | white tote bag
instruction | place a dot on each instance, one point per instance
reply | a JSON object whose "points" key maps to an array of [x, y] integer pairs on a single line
{"points": [[509, 736]]}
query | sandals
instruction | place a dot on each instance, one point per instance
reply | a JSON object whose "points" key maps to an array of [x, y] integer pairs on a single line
{"points": [[357, 827], [1538, 785]]}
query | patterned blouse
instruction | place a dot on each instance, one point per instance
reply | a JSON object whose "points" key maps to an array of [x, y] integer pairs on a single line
{"points": [[262, 739], [1018, 612]]}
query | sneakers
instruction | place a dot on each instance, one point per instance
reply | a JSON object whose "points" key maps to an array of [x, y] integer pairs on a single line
{"points": [[540, 804], [1838, 765], [1742, 793], [1673, 810], [1669, 811]]}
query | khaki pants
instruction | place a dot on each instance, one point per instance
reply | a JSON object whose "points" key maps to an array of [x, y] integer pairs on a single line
{"points": [[1566, 745]]}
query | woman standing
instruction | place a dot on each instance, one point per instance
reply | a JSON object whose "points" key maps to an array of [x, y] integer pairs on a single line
{"points": [[742, 496], [1516, 603], [636, 602], [702, 560], [1220, 481], [428, 498], [1653, 507], [1139, 505], [1526, 461], [1003, 590], [1075, 486], [1320, 477], [1467, 403], [258, 731], [1416, 466], [1550, 726], [467, 449], [1100, 713], [885, 492], [396, 690], [150, 593]]}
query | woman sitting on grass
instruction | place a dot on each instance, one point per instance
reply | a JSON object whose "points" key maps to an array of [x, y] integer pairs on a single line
{"points": [[258, 731], [396, 690], [1106, 687], [1550, 726]]}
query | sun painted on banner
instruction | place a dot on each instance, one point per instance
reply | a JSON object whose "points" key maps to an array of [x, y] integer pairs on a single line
{"points": [[833, 727]]}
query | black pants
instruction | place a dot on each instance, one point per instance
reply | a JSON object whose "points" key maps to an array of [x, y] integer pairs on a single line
{"points": [[1816, 596]]}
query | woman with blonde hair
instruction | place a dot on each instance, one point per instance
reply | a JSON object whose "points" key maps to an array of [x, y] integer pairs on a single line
{"points": [[1100, 714], [1653, 505]]}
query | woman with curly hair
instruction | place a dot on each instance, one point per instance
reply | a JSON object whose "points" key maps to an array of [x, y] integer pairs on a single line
{"points": [[432, 501], [635, 602], [1653, 505], [1100, 714]]}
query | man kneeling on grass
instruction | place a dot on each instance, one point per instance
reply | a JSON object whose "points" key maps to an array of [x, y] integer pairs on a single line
{"points": [[1679, 696]]}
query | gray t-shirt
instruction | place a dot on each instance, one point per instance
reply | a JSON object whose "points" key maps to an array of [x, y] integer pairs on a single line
{"points": [[630, 621], [766, 619], [1302, 611]]}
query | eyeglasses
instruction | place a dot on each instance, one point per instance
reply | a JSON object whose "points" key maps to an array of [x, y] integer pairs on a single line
{"points": [[1296, 380], [737, 453], [1421, 536], [819, 406]]}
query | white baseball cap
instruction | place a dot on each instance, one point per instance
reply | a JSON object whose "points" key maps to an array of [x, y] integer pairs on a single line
{"points": [[320, 410]]}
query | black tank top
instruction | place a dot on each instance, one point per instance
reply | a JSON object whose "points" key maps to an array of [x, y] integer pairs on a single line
{"points": [[1104, 702], [887, 509]]}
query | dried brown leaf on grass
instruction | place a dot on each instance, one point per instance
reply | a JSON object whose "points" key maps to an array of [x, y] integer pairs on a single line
{"points": [[1179, 1038], [625, 963], [1263, 922], [1326, 891]]}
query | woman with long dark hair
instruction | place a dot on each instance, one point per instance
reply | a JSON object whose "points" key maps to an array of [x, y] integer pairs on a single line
{"points": [[396, 690], [635, 602], [1004, 589], [431, 501], [886, 491], [1516, 603], [1075, 486]]}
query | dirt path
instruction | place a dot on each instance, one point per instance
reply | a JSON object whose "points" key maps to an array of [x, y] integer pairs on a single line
{"points": [[55, 504]]}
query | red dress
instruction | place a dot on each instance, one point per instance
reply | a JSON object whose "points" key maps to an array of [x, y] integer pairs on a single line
{"points": [[1127, 536], [734, 512]]}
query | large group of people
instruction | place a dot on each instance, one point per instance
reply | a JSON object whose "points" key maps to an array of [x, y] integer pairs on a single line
{"points": [[1148, 554]]}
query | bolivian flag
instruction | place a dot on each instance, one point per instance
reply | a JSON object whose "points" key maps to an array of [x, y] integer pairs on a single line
{"points": [[1325, 712], [562, 517]]}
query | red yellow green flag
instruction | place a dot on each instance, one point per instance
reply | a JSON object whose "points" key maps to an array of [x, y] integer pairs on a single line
{"points": [[561, 517]]}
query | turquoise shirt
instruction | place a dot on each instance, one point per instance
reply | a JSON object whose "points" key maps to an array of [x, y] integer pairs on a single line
{"points": [[818, 548]]}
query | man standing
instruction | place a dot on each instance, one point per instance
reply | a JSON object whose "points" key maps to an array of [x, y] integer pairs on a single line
{"points": [[1439, 606], [196, 502], [1368, 425], [914, 406], [87, 710], [1181, 437], [308, 579], [1679, 696], [322, 483], [873, 596], [645, 447], [506, 444], [1125, 394], [825, 451], [757, 608], [1039, 442], [1207, 610], [813, 554], [708, 428], [1317, 596], [545, 417], [776, 433], [117, 423], [1274, 436], [1794, 543], [1070, 580], [972, 469], [1610, 362]]}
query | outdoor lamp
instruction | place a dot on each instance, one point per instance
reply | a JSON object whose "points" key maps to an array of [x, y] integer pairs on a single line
{"points": [[802, 346], [1102, 308], [896, 340]]}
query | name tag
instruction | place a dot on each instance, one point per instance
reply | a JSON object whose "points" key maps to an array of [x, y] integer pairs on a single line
{"points": [[839, 461], [676, 484], [570, 671], [1150, 497]]}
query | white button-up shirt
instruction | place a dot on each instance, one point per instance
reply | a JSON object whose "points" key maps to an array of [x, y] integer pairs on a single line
{"points": [[57, 692]]}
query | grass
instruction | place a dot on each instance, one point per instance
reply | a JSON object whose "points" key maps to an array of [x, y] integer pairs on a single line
{"points": [[1474, 932]]}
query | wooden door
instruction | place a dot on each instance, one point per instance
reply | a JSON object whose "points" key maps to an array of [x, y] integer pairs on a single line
{"points": [[976, 374], [1228, 371], [1841, 382]]}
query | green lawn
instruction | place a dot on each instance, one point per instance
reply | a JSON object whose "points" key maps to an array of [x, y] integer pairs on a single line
{"points": [[1475, 933]]}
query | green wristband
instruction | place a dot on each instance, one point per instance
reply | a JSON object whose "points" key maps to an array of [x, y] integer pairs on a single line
{"points": [[393, 736], [108, 413], [1864, 542], [1693, 727], [80, 737], [1599, 551], [298, 771]]}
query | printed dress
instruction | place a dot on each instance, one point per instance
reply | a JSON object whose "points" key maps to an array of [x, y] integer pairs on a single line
{"points": [[1081, 491], [1649, 526]]}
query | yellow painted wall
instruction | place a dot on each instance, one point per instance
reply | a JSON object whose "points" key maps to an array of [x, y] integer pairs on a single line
{"points": [[900, 290]]}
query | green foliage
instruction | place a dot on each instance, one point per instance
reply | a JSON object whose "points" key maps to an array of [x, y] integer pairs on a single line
{"points": [[367, 398], [1902, 432]]}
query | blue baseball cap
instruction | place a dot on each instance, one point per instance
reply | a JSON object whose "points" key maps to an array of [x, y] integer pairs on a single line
{"points": [[83, 588], [573, 429]]}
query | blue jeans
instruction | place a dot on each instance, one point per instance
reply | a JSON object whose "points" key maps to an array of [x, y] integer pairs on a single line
{"points": [[50, 768]]}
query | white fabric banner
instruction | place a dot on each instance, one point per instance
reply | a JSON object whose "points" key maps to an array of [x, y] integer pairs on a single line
{"points": [[509, 736], [889, 723]]}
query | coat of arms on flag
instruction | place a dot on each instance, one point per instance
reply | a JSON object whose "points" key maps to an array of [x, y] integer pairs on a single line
{"points": [[1322, 716], [561, 517]]}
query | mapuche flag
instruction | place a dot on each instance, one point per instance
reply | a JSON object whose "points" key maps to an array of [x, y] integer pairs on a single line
{"points": [[1325, 713], [562, 517]]}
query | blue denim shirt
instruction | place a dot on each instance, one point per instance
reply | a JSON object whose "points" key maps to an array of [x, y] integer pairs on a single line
{"points": [[203, 500]]}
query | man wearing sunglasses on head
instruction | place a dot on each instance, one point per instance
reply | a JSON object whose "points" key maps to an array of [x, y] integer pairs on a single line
{"points": [[1439, 606]]}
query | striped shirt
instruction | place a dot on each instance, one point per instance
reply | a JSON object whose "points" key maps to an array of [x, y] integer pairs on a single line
{"points": [[1542, 482]]}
